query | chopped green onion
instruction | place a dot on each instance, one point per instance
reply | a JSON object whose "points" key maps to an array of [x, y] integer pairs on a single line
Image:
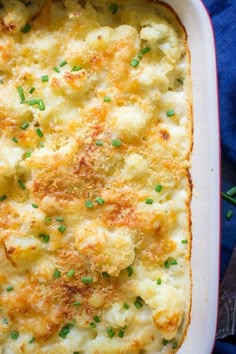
{"points": [[180, 81], [28, 154], [107, 99], [65, 330], [32, 90], [39, 132], [158, 188], [26, 28], [71, 273], [59, 218], [33, 102], [173, 262], [44, 78], [47, 219], [92, 325], [15, 140], [232, 191], [158, 281], [145, 50], [5, 320], [41, 144], [134, 62], [21, 93], [45, 238], [100, 201], [41, 105], [229, 214], [113, 8], [14, 335], [140, 55], [228, 198], [167, 264], [105, 275], [9, 288], [56, 69], [184, 241], [121, 334], [96, 319], [3, 197], [99, 143], [57, 273], [35, 206], [149, 201], [32, 340], [61, 228], [137, 303], [89, 204], [76, 68], [77, 303], [21, 184], [130, 271], [164, 341], [87, 280], [116, 142], [175, 345], [110, 332], [126, 306], [170, 113], [63, 63]]}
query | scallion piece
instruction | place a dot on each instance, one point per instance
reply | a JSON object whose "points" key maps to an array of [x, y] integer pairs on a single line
{"points": [[130, 271], [145, 50], [3, 197], [26, 28], [63, 63], [100, 201], [228, 198], [45, 238], [35, 206], [62, 229], [65, 330], [121, 334], [92, 325], [33, 102], [134, 63], [110, 332], [113, 8], [229, 214], [76, 68], [107, 99], [41, 144], [44, 78], [32, 340], [21, 184], [47, 219], [14, 335], [76, 303], [137, 303], [5, 320], [105, 275], [9, 288], [41, 105], [28, 154], [59, 218], [56, 69], [39, 132], [158, 281], [175, 345], [24, 126], [184, 241], [173, 262], [164, 341], [149, 201], [71, 273], [116, 143], [170, 113], [89, 204], [15, 140], [87, 280], [99, 143], [96, 319], [56, 273], [158, 188], [180, 81], [126, 306], [21, 93], [232, 191], [167, 264], [32, 90]]}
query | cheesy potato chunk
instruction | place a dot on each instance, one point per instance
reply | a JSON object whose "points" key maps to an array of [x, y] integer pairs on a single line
{"points": [[95, 143]]}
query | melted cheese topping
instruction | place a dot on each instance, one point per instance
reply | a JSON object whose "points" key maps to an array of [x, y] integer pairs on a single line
{"points": [[95, 139]]}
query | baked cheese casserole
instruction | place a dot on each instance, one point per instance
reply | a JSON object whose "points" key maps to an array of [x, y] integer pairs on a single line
{"points": [[95, 143]]}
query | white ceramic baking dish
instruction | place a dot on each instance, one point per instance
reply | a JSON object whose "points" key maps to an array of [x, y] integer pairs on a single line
{"points": [[205, 177]]}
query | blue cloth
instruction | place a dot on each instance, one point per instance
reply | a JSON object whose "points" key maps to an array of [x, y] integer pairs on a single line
{"points": [[223, 15]]}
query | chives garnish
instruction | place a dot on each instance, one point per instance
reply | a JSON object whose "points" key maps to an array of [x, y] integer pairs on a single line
{"points": [[65, 330], [140, 55], [116, 142], [61, 228], [56, 273], [110, 332], [24, 125], [35, 206], [113, 8], [96, 319], [164, 341], [26, 28], [100, 201], [99, 143], [3, 197], [130, 271], [158, 188], [41, 105], [145, 50], [92, 325], [180, 81], [32, 90], [41, 144], [45, 238], [228, 198], [232, 191], [33, 102], [76, 303], [126, 306], [59, 218], [47, 219], [87, 280], [5, 320], [9, 288], [105, 275], [63, 63], [39, 132], [158, 281], [121, 334], [229, 214], [175, 345], [14, 335], [56, 69], [167, 264], [170, 113], [173, 262], [71, 273], [28, 154], [107, 99], [89, 204], [44, 78], [15, 140], [76, 68], [137, 303], [32, 340], [134, 62], [184, 241], [21, 184], [21, 93], [149, 201]]}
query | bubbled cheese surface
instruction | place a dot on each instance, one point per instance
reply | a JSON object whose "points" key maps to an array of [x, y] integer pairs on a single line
{"points": [[94, 182]]}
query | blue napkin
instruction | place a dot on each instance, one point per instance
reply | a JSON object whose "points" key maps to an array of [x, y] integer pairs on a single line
{"points": [[223, 15]]}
